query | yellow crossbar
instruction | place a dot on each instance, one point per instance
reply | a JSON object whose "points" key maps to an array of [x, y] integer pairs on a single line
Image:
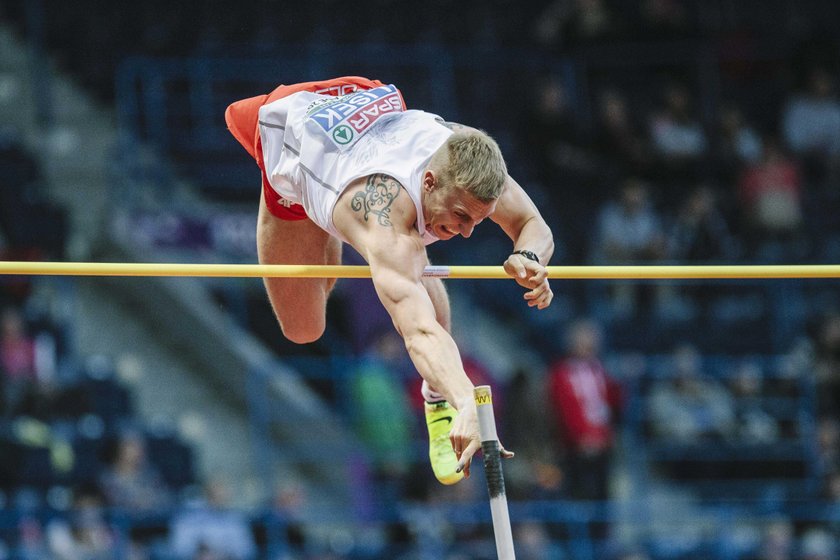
{"points": [[656, 272]]}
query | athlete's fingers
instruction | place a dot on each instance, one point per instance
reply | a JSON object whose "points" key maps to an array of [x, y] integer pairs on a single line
{"points": [[537, 292], [466, 458], [457, 442], [539, 275], [540, 297], [546, 301]]}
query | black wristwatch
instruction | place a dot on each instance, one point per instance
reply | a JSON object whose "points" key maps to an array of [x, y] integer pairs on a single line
{"points": [[527, 254]]}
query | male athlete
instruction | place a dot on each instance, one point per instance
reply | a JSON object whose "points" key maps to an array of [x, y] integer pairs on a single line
{"points": [[343, 160]]}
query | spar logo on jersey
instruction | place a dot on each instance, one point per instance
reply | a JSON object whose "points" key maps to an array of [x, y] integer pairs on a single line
{"points": [[347, 118]]}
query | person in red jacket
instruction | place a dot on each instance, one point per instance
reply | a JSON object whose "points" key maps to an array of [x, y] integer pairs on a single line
{"points": [[586, 402]]}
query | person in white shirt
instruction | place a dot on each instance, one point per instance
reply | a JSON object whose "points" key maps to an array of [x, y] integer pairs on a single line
{"points": [[343, 160], [811, 119]]}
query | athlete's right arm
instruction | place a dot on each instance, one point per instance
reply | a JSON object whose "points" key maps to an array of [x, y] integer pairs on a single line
{"points": [[376, 216]]}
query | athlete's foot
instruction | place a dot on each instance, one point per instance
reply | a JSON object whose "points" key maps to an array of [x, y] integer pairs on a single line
{"points": [[439, 417]]}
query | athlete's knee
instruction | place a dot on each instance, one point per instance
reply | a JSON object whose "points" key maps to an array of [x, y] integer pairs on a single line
{"points": [[303, 332]]}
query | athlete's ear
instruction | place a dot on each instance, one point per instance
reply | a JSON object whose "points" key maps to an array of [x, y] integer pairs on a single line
{"points": [[429, 181]]}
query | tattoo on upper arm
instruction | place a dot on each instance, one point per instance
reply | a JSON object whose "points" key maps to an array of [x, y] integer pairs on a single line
{"points": [[377, 197]]}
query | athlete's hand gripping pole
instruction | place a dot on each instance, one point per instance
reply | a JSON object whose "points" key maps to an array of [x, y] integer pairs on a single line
{"points": [[491, 449]]}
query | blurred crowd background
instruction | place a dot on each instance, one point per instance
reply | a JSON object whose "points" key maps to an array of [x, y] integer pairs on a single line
{"points": [[168, 419]]}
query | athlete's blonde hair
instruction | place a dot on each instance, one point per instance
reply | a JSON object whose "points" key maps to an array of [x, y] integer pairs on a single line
{"points": [[475, 164]]}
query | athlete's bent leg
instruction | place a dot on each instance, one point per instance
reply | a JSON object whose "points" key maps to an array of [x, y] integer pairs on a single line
{"points": [[299, 303]]}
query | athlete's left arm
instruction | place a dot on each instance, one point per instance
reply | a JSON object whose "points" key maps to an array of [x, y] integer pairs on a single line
{"points": [[520, 219]]}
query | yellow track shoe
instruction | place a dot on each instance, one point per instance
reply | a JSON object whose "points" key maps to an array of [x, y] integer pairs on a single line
{"points": [[439, 417]]}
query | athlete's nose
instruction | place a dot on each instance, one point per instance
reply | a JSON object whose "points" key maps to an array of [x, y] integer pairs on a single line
{"points": [[467, 229]]}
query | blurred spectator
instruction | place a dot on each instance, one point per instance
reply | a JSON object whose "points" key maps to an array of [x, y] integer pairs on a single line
{"points": [[534, 543], [663, 19], [381, 411], [634, 555], [586, 402], [285, 517], [676, 133], [778, 541], [31, 543], [831, 487], [84, 534], [617, 139], [566, 23], [51, 401], [754, 422], [688, 407], [534, 474], [29, 393], [770, 194], [700, 232], [827, 364], [811, 119], [131, 482], [629, 232], [28, 220], [17, 359], [434, 530], [553, 135], [738, 143], [210, 530], [828, 444], [817, 544]]}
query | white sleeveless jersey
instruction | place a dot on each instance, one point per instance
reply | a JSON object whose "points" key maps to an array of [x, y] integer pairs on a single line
{"points": [[315, 145]]}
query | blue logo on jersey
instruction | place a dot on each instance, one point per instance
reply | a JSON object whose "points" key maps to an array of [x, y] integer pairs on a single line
{"points": [[358, 111]]}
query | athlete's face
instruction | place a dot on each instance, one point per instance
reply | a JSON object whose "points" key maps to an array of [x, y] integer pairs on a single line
{"points": [[450, 211]]}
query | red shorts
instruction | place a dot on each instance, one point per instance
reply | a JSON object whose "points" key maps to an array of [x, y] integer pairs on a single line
{"points": [[242, 118]]}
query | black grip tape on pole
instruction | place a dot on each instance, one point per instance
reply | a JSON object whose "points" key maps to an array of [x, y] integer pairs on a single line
{"points": [[493, 468]]}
